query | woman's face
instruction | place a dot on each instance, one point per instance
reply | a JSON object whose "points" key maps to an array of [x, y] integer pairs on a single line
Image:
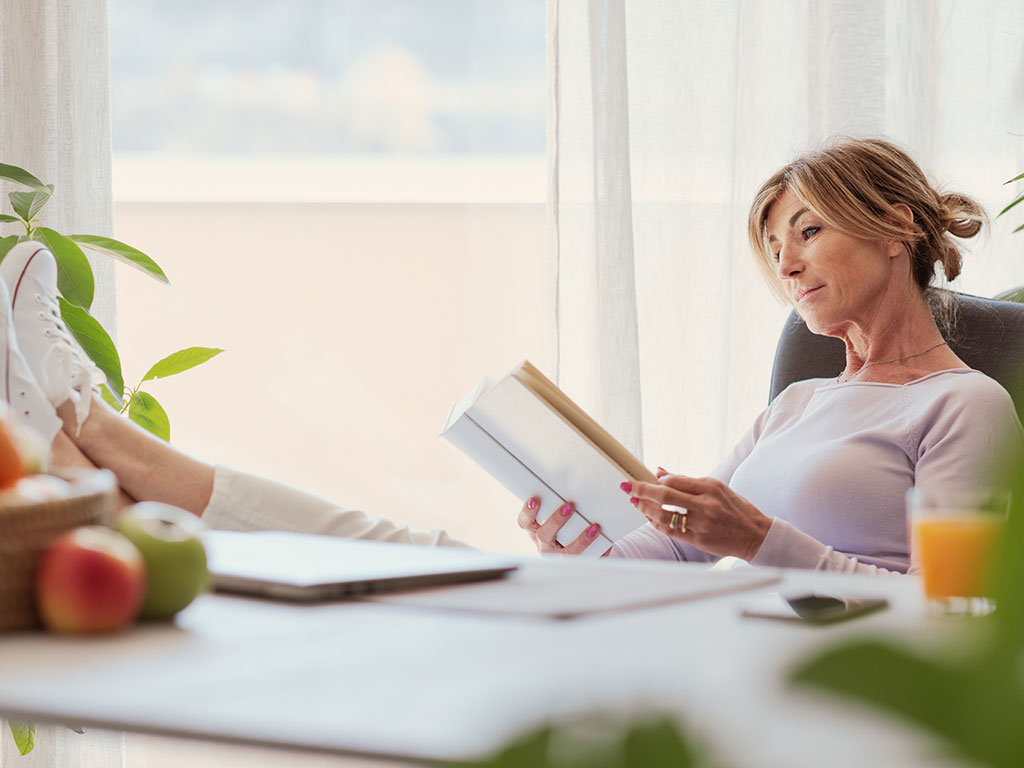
{"points": [[834, 280]]}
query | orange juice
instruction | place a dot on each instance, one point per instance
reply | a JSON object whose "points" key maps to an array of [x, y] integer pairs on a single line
{"points": [[956, 553]]}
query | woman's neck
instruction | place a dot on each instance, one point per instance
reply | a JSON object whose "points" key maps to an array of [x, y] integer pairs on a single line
{"points": [[901, 346]]}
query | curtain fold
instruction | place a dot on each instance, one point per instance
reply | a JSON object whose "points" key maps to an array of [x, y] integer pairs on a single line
{"points": [[55, 123], [55, 118], [664, 119]]}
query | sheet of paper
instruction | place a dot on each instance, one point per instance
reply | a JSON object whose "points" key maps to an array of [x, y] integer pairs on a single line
{"points": [[565, 588]]}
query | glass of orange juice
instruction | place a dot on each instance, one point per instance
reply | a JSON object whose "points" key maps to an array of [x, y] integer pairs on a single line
{"points": [[954, 540]]}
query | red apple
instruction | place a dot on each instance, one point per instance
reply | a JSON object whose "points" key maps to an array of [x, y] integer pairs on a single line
{"points": [[90, 580]]}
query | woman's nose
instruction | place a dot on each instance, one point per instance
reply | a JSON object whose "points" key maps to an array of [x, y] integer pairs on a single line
{"points": [[789, 263]]}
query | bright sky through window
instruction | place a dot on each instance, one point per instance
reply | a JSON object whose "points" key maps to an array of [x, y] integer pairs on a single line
{"points": [[320, 77]]}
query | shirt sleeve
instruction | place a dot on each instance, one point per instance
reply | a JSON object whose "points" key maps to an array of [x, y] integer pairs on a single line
{"points": [[967, 440], [244, 502], [787, 547]]}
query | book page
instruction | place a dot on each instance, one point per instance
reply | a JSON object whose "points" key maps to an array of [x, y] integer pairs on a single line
{"points": [[561, 403]]}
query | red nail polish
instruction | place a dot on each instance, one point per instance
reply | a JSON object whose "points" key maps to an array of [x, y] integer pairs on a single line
{"points": [[531, 504], [566, 509], [634, 501], [592, 531], [627, 486], [663, 470], [649, 519]]}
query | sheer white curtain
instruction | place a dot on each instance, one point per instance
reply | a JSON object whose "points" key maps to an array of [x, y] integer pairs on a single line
{"points": [[666, 116], [55, 123], [55, 117]]}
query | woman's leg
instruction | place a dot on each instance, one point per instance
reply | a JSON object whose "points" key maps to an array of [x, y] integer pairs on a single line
{"points": [[147, 468], [45, 366], [64, 453]]}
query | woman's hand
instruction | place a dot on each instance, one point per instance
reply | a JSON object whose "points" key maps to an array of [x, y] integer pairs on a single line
{"points": [[543, 534], [712, 516]]}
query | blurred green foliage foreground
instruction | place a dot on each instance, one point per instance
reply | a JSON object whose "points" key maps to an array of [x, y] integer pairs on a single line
{"points": [[600, 742], [970, 694]]}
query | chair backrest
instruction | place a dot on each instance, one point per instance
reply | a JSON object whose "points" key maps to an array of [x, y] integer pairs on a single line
{"points": [[989, 336]]}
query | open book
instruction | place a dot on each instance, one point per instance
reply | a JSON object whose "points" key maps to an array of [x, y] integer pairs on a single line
{"points": [[537, 442]]}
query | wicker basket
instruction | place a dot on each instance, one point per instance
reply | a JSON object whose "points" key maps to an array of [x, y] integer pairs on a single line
{"points": [[26, 529]]}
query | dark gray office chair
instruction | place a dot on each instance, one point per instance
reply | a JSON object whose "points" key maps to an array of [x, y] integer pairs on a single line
{"points": [[988, 336]]}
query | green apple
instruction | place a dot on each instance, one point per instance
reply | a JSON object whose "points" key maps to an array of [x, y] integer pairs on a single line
{"points": [[170, 541]]}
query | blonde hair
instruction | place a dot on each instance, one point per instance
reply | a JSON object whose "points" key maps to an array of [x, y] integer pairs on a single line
{"points": [[855, 185]]}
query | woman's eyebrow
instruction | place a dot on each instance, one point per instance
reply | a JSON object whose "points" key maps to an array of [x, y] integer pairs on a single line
{"points": [[792, 221], [797, 215]]}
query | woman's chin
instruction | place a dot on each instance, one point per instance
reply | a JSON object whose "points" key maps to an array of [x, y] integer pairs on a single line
{"points": [[819, 325]]}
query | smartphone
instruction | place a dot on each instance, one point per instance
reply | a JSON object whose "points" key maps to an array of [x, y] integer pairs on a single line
{"points": [[812, 608]]}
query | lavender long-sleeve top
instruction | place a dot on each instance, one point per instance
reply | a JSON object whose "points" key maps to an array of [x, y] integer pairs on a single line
{"points": [[831, 464]]}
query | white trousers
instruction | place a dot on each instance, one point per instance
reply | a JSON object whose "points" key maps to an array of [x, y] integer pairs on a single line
{"points": [[244, 502]]}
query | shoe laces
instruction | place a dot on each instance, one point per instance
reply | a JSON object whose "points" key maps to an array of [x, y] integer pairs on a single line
{"points": [[73, 366]]}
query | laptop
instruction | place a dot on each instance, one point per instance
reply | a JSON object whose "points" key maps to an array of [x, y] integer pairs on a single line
{"points": [[305, 567]]}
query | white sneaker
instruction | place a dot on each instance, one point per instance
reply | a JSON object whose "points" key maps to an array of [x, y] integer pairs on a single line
{"points": [[28, 405], [59, 365]]}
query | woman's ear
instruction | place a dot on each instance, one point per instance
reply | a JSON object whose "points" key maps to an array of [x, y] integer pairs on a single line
{"points": [[906, 216], [905, 219]]}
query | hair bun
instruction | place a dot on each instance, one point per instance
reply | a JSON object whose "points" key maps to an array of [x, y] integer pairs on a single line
{"points": [[960, 215]]}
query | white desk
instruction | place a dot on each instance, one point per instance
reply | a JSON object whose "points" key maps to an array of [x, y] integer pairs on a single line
{"points": [[361, 678]]}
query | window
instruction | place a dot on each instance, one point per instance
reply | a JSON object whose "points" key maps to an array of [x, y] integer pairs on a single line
{"points": [[348, 197]]}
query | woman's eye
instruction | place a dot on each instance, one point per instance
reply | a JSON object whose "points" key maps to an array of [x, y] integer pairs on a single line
{"points": [[776, 256], [808, 232]]}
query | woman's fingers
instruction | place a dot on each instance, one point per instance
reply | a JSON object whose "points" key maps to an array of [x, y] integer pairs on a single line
{"points": [[658, 494], [528, 515], [549, 529], [582, 541], [666, 506], [661, 518], [692, 485], [545, 534]]}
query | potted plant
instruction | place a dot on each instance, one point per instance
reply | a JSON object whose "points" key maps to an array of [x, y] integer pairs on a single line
{"points": [[76, 285]]}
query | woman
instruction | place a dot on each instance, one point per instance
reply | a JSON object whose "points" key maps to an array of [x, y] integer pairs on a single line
{"points": [[851, 236]]}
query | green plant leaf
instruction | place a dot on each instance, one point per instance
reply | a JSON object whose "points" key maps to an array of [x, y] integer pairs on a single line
{"points": [[5, 219], [180, 361], [24, 736], [527, 751], [1014, 294], [1009, 569], [74, 275], [1007, 208], [96, 342], [660, 742], [6, 243], [888, 677], [973, 706], [145, 411], [28, 204], [1015, 178], [110, 400], [133, 257], [21, 176], [597, 742]]}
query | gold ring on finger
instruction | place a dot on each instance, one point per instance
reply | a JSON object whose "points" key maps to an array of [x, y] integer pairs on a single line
{"points": [[677, 522]]}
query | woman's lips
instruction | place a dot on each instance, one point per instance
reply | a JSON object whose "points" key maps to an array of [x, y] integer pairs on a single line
{"points": [[803, 293]]}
